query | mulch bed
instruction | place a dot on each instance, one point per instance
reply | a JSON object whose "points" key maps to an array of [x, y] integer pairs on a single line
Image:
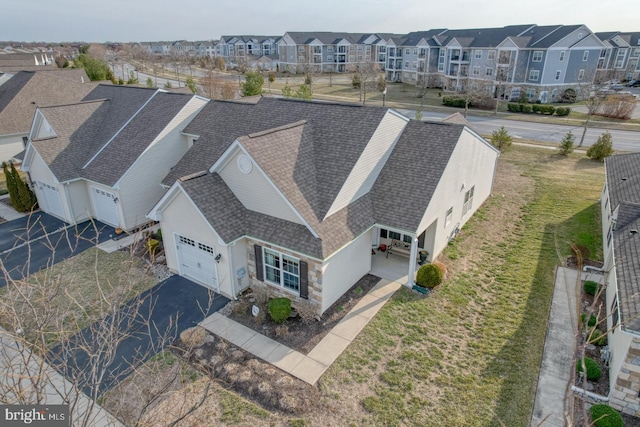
{"points": [[299, 334]]}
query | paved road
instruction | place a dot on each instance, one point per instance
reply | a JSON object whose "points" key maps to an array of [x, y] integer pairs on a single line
{"points": [[141, 327], [31, 243], [622, 140]]}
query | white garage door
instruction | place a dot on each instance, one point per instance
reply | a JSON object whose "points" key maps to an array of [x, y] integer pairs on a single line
{"points": [[106, 207], [51, 199], [197, 261]]}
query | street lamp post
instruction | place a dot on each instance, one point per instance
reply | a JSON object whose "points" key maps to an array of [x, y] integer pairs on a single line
{"points": [[384, 96]]}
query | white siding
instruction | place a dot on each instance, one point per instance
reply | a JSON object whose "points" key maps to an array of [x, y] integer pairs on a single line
{"points": [[255, 191], [80, 202], [42, 128], [10, 145], [40, 172], [116, 194], [140, 186], [368, 167], [619, 343], [472, 163], [181, 217], [238, 252], [342, 270]]}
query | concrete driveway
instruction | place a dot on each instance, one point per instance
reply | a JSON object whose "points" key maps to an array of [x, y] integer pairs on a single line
{"points": [[30, 243], [142, 328]]}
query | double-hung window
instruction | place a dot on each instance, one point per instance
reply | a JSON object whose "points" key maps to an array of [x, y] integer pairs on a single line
{"points": [[468, 200], [282, 270]]}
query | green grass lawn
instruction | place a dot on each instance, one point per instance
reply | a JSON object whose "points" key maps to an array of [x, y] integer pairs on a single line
{"points": [[470, 353]]}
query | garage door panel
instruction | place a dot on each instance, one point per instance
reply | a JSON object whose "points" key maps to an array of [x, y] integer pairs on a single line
{"points": [[197, 261], [106, 206], [51, 199]]}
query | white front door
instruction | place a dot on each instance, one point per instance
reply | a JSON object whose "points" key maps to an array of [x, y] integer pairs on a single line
{"points": [[106, 207], [197, 261], [51, 199]]}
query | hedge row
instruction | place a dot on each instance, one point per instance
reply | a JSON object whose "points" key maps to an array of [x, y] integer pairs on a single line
{"points": [[538, 108]]}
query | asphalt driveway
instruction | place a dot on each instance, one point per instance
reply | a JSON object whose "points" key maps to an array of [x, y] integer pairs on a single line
{"points": [[30, 243], [142, 328]]}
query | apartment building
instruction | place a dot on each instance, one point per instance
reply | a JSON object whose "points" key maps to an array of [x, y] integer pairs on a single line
{"points": [[248, 49], [330, 51], [620, 58]]}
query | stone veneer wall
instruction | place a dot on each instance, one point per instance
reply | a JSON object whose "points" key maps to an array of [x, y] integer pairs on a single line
{"points": [[314, 278], [624, 396]]}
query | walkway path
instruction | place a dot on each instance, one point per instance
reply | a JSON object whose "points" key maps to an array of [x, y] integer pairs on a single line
{"points": [[18, 365], [308, 368], [552, 394], [7, 212]]}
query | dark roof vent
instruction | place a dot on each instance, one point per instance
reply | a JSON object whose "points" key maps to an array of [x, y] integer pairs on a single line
{"points": [[633, 231]]}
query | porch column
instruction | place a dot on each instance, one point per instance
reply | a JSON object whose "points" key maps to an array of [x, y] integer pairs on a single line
{"points": [[412, 262]]}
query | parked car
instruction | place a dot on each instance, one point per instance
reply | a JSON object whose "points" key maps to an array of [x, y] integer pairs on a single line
{"points": [[633, 83], [616, 86]]}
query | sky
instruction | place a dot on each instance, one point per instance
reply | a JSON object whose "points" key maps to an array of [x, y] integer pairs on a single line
{"points": [[147, 20]]}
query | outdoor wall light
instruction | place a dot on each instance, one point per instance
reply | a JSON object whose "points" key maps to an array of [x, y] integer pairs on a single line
{"points": [[217, 258]]}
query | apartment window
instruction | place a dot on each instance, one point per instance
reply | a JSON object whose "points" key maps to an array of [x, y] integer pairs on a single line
{"points": [[407, 51], [476, 71], [406, 65], [448, 217], [636, 52], [534, 75], [491, 55], [281, 270], [585, 55], [329, 57], [561, 57], [580, 74], [352, 58], [441, 67], [558, 72], [329, 48], [317, 49], [414, 65], [531, 93], [489, 72], [620, 59], [300, 48], [468, 200], [478, 54], [301, 58], [359, 58], [360, 48], [537, 56], [442, 53], [415, 50]]}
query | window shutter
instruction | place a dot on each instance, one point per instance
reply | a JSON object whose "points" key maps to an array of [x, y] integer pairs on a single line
{"points": [[259, 268], [304, 280]]}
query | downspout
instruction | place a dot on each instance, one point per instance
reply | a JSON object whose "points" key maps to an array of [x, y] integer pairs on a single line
{"points": [[232, 270], [412, 262]]}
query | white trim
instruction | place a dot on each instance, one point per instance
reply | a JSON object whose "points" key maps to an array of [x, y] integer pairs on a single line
{"points": [[122, 128], [226, 158]]}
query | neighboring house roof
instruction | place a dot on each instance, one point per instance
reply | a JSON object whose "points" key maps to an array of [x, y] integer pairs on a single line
{"points": [[100, 138], [75, 74], [623, 186], [26, 90], [308, 157], [15, 62]]}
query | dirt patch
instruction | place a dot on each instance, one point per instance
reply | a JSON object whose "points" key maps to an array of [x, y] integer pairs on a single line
{"points": [[303, 331]]}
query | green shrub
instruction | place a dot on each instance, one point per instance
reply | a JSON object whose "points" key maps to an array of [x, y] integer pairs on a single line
{"points": [[429, 276], [453, 101], [598, 337], [513, 107], [159, 234], [592, 320], [547, 109], [527, 108], [563, 111], [605, 416], [590, 287], [569, 96], [593, 369], [279, 309], [566, 147], [153, 245], [536, 108], [602, 148]]}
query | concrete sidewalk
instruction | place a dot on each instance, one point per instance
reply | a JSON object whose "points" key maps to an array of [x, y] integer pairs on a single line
{"points": [[7, 212], [552, 394], [20, 372], [308, 368]]}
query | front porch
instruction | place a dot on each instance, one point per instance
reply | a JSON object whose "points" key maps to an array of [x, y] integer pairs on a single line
{"points": [[393, 267]]}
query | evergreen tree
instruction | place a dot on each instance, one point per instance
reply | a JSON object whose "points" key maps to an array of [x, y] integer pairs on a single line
{"points": [[566, 146], [602, 148], [12, 188], [253, 84], [501, 139]]}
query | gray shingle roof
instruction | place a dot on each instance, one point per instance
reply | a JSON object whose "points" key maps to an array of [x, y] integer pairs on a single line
{"points": [[409, 177], [627, 252], [623, 178], [623, 186], [26, 90], [309, 161], [109, 114]]}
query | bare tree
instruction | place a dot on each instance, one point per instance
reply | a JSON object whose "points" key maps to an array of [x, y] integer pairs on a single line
{"points": [[476, 92], [367, 74], [58, 319]]}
